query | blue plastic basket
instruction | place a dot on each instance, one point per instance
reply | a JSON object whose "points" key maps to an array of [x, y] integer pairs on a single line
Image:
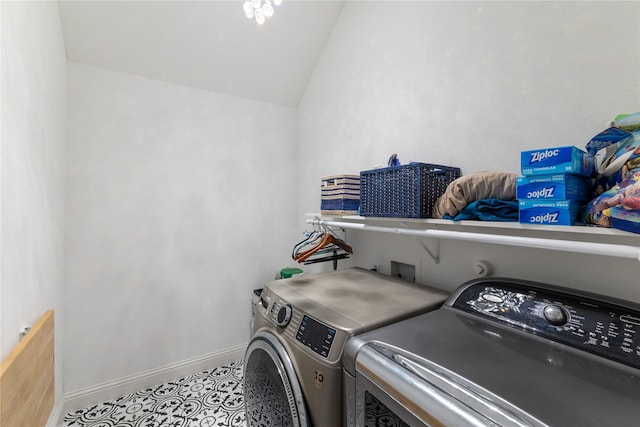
{"points": [[407, 191]]}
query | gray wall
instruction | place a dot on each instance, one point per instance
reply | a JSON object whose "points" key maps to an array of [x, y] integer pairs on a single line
{"points": [[470, 84], [33, 149], [177, 207]]}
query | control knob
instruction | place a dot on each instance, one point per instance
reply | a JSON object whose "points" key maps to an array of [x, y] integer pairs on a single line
{"points": [[284, 316], [555, 315]]}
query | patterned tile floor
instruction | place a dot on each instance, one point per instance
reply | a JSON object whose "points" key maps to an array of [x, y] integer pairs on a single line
{"points": [[207, 399]]}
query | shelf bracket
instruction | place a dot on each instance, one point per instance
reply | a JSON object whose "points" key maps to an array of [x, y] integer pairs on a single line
{"points": [[435, 254], [435, 257]]}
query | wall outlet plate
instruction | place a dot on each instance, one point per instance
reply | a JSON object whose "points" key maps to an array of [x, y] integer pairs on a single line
{"points": [[403, 271]]}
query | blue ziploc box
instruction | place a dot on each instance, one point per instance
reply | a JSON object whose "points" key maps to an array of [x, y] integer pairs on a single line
{"points": [[549, 212], [547, 161], [560, 186]]}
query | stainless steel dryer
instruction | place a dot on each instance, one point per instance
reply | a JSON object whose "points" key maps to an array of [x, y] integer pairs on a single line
{"points": [[292, 366], [501, 352]]}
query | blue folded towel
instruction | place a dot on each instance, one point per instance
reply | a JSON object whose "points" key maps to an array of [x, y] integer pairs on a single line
{"points": [[489, 210]]}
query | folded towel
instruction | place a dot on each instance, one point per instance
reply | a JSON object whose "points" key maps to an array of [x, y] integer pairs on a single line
{"points": [[477, 186], [489, 210]]}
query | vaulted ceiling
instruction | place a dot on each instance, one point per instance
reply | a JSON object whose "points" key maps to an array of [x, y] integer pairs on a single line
{"points": [[203, 44]]}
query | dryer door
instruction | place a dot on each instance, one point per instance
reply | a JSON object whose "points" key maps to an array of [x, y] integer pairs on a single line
{"points": [[272, 393]]}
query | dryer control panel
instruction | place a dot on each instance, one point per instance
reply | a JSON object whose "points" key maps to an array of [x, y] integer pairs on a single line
{"points": [[599, 327]]}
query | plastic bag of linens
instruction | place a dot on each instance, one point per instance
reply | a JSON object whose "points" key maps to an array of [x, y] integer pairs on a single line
{"points": [[617, 189]]}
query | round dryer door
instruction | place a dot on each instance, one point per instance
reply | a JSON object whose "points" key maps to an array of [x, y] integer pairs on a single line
{"points": [[272, 393]]}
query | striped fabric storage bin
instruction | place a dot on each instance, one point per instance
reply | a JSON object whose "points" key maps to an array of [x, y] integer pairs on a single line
{"points": [[340, 195]]}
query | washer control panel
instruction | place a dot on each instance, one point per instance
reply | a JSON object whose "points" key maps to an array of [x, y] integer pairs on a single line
{"points": [[315, 335], [312, 334], [605, 329]]}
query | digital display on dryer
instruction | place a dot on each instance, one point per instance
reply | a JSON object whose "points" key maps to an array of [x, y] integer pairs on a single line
{"points": [[315, 335]]}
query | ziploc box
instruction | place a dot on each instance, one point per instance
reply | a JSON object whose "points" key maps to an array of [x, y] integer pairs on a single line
{"points": [[549, 212], [560, 186], [557, 160]]}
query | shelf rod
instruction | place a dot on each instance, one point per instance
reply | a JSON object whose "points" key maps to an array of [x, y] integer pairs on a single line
{"points": [[607, 249]]}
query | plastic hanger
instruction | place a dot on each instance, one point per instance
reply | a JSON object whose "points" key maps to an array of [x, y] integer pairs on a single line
{"points": [[326, 241], [312, 239]]}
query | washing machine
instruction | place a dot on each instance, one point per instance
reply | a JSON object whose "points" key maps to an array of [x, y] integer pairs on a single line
{"points": [[500, 352], [292, 365]]}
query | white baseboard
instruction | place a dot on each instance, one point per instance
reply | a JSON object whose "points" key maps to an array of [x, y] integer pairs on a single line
{"points": [[56, 416], [99, 393]]}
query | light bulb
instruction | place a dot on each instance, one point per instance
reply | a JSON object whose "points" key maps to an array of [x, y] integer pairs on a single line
{"points": [[277, 2], [256, 3], [267, 9], [248, 9], [260, 18]]}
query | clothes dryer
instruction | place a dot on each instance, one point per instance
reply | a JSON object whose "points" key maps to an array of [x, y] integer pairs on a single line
{"points": [[292, 366]]}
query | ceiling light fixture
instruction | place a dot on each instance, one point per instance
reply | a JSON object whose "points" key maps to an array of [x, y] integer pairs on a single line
{"points": [[260, 9]]}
